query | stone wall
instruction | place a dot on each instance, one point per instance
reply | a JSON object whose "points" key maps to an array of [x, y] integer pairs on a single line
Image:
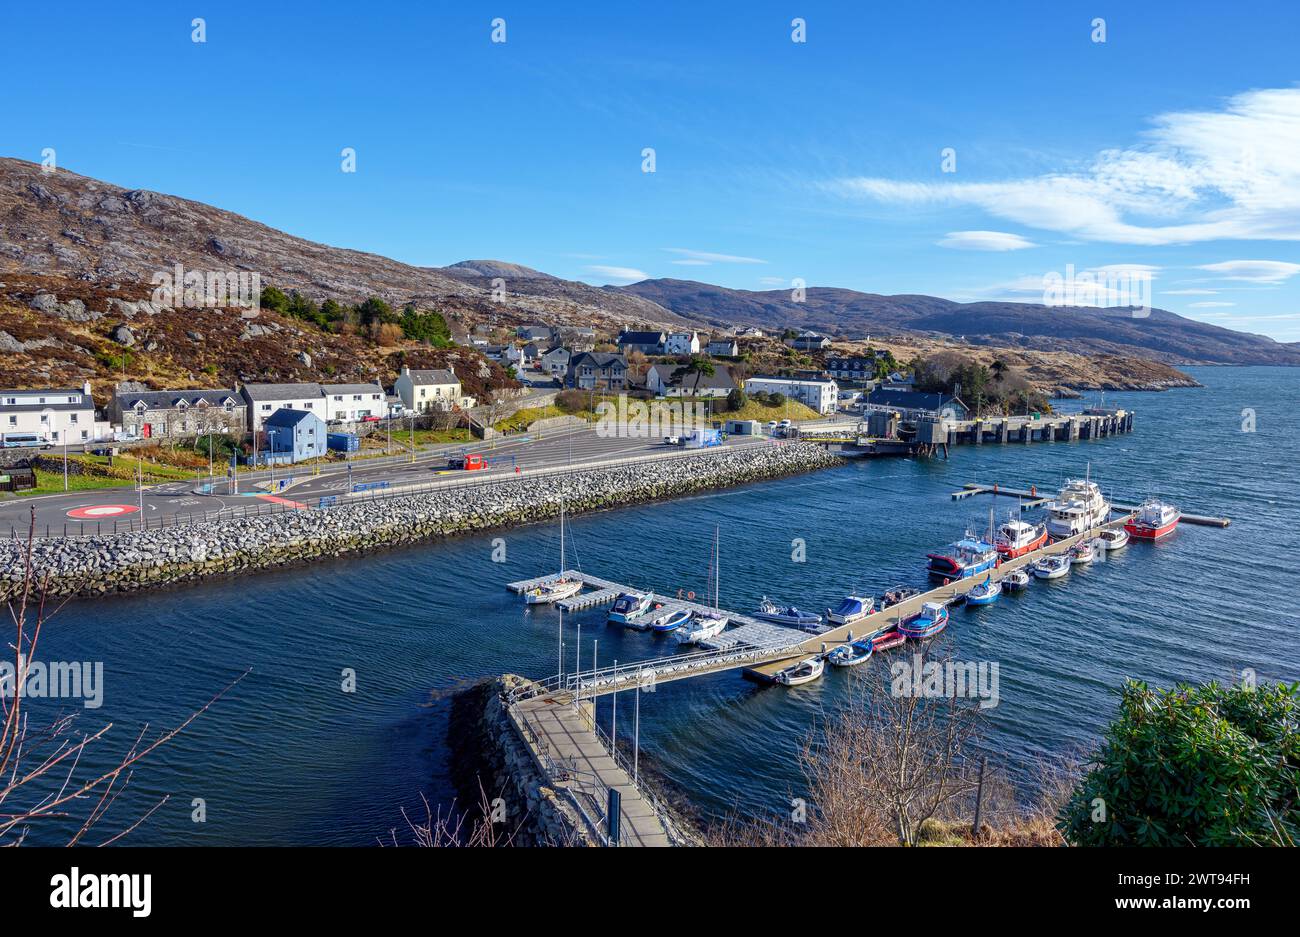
{"points": [[144, 559]]}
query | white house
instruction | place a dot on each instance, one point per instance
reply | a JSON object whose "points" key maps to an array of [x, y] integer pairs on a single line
{"points": [[675, 380], [54, 416], [682, 343], [264, 399], [724, 348], [428, 389], [351, 403], [816, 393]]}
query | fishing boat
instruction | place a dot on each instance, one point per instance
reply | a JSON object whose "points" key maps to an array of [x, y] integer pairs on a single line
{"points": [[1015, 580], [700, 627], [929, 621], [561, 587], [1085, 551], [851, 654], [968, 557], [1153, 520], [1052, 567], [986, 593], [1017, 537], [628, 606], [1113, 538], [1078, 508], [897, 595], [672, 621], [887, 639], [786, 615], [853, 608], [806, 671]]}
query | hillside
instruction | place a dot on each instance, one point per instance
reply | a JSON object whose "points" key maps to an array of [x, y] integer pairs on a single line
{"points": [[1162, 336]]}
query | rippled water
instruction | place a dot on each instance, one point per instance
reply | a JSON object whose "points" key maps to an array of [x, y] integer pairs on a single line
{"points": [[287, 757]]}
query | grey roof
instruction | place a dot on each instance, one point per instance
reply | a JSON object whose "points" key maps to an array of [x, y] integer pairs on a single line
{"points": [[84, 401], [168, 399], [641, 338], [287, 417], [679, 375], [352, 389], [433, 376], [598, 359], [281, 391], [910, 399]]}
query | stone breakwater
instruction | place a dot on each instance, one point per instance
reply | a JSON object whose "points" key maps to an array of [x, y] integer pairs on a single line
{"points": [[144, 559]]}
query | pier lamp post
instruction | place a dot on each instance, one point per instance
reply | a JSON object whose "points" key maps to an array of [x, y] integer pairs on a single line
{"points": [[270, 454], [65, 461]]}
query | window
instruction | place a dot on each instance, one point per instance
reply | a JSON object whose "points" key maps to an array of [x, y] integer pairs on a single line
{"points": [[13, 420], [266, 407], [72, 418], [84, 434], [44, 418]]}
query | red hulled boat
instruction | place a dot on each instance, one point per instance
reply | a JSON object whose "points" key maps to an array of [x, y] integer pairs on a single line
{"points": [[1153, 520]]}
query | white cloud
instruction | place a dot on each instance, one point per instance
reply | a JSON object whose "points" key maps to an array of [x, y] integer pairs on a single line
{"points": [[1254, 271], [1190, 292], [626, 274], [1211, 305], [1230, 173], [691, 263], [985, 241], [700, 258]]}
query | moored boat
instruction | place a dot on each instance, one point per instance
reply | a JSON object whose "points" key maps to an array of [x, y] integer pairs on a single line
{"points": [[852, 608], [986, 593], [1052, 567], [1078, 508], [1085, 551], [851, 654], [887, 639], [700, 627], [969, 556], [806, 671], [786, 615], [553, 591], [1113, 538], [628, 606], [1154, 519], [1015, 580], [896, 595], [929, 621], [671, 622], [1017, 537]]}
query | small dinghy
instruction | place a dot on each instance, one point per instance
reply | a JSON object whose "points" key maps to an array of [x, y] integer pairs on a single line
{"points": [[1084, 552], [628, 606], [1052, 567], [986, 593], [853, 608], [1015, 580], [672, 622], [1114, 538], [897, 595], [701, 627], [786, 615], [806, 671], [851, 654], [887, 639], [929, 621]]}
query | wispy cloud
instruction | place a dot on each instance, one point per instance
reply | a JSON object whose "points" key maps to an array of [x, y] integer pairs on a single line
{"points": [[1230, 173], [985, 241], [1209, 305], [1254, 271], [625, 274], [1190, 292], [703, 258]]}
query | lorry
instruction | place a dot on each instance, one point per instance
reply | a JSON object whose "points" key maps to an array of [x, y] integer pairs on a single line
{"points": [[703, 439], [467, 463]]}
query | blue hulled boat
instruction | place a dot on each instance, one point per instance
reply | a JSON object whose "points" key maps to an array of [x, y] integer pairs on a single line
{"points": [[968, 557], [929, 621], [986, 593]]}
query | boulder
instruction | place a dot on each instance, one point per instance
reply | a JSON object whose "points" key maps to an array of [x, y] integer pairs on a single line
{"points": [[122, 335]]}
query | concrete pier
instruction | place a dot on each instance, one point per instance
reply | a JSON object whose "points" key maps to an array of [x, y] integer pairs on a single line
{"points": [[1033, 497]]}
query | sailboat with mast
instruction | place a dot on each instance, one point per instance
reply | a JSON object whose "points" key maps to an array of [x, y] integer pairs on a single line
{"points": [[705, 624], [553, 590]]}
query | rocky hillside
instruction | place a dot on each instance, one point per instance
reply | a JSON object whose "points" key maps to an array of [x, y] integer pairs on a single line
{"points": [[1162, 336], [73, 227]]}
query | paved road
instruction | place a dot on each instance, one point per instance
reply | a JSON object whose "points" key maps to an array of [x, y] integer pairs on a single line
{"points": [[99, 509]]}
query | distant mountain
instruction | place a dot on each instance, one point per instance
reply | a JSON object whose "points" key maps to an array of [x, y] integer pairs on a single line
{"points": [[1162, 336], [64, 225]]}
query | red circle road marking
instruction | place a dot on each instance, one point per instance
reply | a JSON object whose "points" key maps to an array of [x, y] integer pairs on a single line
{"points": [[101, 511]]}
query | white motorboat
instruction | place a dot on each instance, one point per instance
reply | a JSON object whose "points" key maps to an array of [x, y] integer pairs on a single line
{"points": [[806, 671], [786, 615], [1113, 538], [1085, 551], [1016, 537], [1015, 580], [628, 606], [700, 627], [1078, 508], [852, 608], [1052, 567]]}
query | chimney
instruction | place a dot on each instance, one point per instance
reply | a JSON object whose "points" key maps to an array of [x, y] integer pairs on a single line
{"points": [[405, 369], [85, 388]]}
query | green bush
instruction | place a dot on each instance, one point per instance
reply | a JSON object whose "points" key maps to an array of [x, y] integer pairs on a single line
{"points": [[1205, 766], [736, 400]]}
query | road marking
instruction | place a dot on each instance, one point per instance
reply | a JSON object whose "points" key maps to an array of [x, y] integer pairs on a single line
{"points": [[101, 511]]}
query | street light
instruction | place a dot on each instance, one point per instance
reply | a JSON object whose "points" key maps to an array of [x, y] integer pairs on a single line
{"points": [[270, 454]]}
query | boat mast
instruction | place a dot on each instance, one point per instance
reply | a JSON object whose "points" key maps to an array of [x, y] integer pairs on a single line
{"points": [[717, 572], [561, 537]]}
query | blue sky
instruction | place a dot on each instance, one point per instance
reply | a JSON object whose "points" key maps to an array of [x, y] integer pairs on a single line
{"points": [[1171, 148]]}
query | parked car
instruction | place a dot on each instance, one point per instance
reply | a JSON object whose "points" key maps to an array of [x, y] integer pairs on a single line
{"points": [[672, 440]]}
